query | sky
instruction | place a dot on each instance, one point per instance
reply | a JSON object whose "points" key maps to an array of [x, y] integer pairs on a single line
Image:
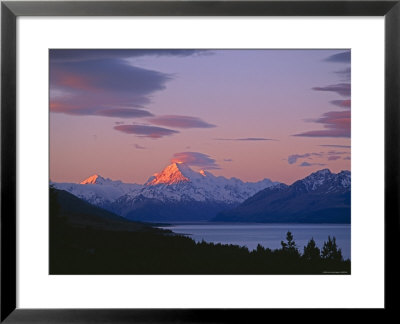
{"points": [[250, 114]]}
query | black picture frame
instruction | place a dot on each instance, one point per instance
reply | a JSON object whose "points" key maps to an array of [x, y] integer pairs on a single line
{"points": [[10, 10]]}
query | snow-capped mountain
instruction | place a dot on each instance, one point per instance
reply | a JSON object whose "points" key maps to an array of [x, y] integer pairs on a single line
{"points": [[321, 197], [173, 174], [97, 179], [179, 182], [97, 190], [176, 193], [326, 180]]}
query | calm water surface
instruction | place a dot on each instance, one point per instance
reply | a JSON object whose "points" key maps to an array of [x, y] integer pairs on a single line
{"points": [[268, 235]]}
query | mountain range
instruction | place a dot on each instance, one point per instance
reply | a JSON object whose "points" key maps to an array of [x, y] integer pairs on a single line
{"points": [[177, 193], [322, 197], [180, 194]]}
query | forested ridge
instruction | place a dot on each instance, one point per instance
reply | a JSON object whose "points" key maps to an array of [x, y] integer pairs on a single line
{"points": [[87, 240]]}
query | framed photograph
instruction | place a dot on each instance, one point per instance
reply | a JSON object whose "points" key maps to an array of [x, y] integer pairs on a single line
{"points": [[180, 160]]}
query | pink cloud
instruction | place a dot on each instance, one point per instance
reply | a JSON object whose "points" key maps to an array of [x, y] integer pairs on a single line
{"points": [[103, 87], [145, 131], [330, 156], [64, 79], [201, 160], [294, 157], [250, 139], [343, 57], [306, 164], [139, 147], [337, 124], [343, 89], [123, 113], [338, 146], [179, 121], [342, 103]]}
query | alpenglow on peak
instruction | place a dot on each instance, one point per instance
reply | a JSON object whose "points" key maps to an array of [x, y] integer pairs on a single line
{"points": [[92, 179], [173, 174]]}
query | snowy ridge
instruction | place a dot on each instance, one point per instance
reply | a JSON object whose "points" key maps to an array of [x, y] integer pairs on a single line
{"points": [[97, 190], [179, 182], [176, 183], [336, 181], [97, 179], [321, 197]]}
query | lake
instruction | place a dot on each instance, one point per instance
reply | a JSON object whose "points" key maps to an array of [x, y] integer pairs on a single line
{"points": [[268, 235]]}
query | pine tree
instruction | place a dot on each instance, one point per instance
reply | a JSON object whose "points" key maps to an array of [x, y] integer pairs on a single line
{"points": [[260, 248], [290, 245], [311, 251], [330, 250]]}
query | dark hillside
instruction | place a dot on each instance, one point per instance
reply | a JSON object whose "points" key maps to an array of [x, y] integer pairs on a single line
{"points": [[88, 240]]}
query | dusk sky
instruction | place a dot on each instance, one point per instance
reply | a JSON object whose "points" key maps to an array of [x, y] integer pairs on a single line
{"points": [[250, 114]]}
